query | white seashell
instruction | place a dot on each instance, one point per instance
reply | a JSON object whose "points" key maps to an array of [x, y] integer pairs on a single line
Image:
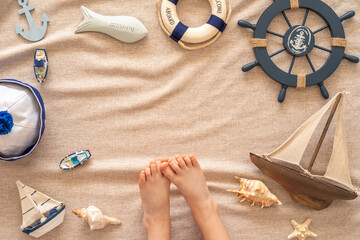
{"points": [[124, 28], [255, 192], [95, 218]]}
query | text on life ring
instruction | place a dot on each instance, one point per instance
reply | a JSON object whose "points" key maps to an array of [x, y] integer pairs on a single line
{"points": [[169, 16]]}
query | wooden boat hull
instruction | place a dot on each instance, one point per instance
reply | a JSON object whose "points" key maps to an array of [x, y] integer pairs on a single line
{"points": [[310, 190]]}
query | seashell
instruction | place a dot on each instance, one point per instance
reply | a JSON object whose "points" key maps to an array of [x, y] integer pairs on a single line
{"points": [[255, 192], [95, 218]]}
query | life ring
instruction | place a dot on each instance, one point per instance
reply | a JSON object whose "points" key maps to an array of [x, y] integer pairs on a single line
{"points": [[203, 35]]}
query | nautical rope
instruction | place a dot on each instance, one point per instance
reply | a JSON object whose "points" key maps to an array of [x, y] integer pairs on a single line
{"points": [[294, 4], [338, 42], [258, 42], [181, 43], [301, 81]]}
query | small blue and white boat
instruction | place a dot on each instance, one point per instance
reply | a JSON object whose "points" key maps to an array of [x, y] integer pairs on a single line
{"points": [[41, 213], [75, 159], [41, 64]]}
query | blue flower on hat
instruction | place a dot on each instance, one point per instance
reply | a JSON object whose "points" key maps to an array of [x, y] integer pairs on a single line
{"points": [[6, 122]]}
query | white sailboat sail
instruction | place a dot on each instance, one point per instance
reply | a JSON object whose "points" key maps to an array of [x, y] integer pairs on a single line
{"points": [[44, 203], [338, 168], [292, 150], [34, 204], [30, 212]]}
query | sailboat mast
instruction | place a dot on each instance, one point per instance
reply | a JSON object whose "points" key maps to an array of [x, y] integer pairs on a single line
{"points": [[321, 140]]}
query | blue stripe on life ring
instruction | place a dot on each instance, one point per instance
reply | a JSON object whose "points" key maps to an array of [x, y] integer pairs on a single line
{"points": [[217, 23], [174, 1], [179, 31]]}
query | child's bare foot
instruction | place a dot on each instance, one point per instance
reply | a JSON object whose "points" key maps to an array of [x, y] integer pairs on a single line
{"points": [[187, 175], [155, 191]]}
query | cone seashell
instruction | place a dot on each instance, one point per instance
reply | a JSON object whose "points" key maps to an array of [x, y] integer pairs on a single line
{"points": [[95, 218], [255, 192]]}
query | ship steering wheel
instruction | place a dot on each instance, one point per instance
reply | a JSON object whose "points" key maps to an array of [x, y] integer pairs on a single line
{"points": [[299, 41]]}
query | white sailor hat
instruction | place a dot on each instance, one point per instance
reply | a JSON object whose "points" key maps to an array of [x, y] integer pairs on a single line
{"points": [[22, 119]]}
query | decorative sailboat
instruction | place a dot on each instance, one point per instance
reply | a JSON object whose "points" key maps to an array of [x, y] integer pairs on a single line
{"points": [[315, 191], [40, 213]]}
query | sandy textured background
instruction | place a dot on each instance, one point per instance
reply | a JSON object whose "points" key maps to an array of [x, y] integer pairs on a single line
{"points": [[130, 103]]}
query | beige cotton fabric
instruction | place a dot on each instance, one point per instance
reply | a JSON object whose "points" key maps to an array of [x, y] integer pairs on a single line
{"points": [[131, 103]]}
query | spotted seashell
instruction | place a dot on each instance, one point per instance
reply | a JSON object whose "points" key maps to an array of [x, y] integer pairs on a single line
{"points": [[255, 192]]}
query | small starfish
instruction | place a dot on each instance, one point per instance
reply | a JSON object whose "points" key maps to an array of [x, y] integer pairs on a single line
{"points": [[301, 231]]}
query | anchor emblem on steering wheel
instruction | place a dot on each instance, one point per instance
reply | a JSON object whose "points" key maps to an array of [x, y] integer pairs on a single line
{"points": [[299, 40], [35, 33]]}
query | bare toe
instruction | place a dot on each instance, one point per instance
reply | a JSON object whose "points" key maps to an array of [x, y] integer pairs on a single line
{"points": [[153, 169], [181, 162], [174, 165], [147, 173], [187, 161], [158, 166], [194, 161], [142, 178], [167, 171]]}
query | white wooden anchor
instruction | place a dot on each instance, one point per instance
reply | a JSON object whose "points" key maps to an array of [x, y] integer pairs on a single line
{"points": [[35, 33]]}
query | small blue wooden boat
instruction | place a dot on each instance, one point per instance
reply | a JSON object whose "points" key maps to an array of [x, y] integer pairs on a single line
{"points": [[75, 159], [41, 64]]}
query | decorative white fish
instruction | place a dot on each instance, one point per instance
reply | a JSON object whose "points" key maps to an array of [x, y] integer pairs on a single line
{"points": [[124, 28]]}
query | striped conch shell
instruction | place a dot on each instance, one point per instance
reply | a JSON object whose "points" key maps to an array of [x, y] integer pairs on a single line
{"points": [[255, 192], [95, 218]]}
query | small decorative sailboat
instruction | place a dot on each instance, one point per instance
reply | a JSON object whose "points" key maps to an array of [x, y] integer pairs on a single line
{"points": [[315, 191], [41, 64], [75, 159], [41, 213]]}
